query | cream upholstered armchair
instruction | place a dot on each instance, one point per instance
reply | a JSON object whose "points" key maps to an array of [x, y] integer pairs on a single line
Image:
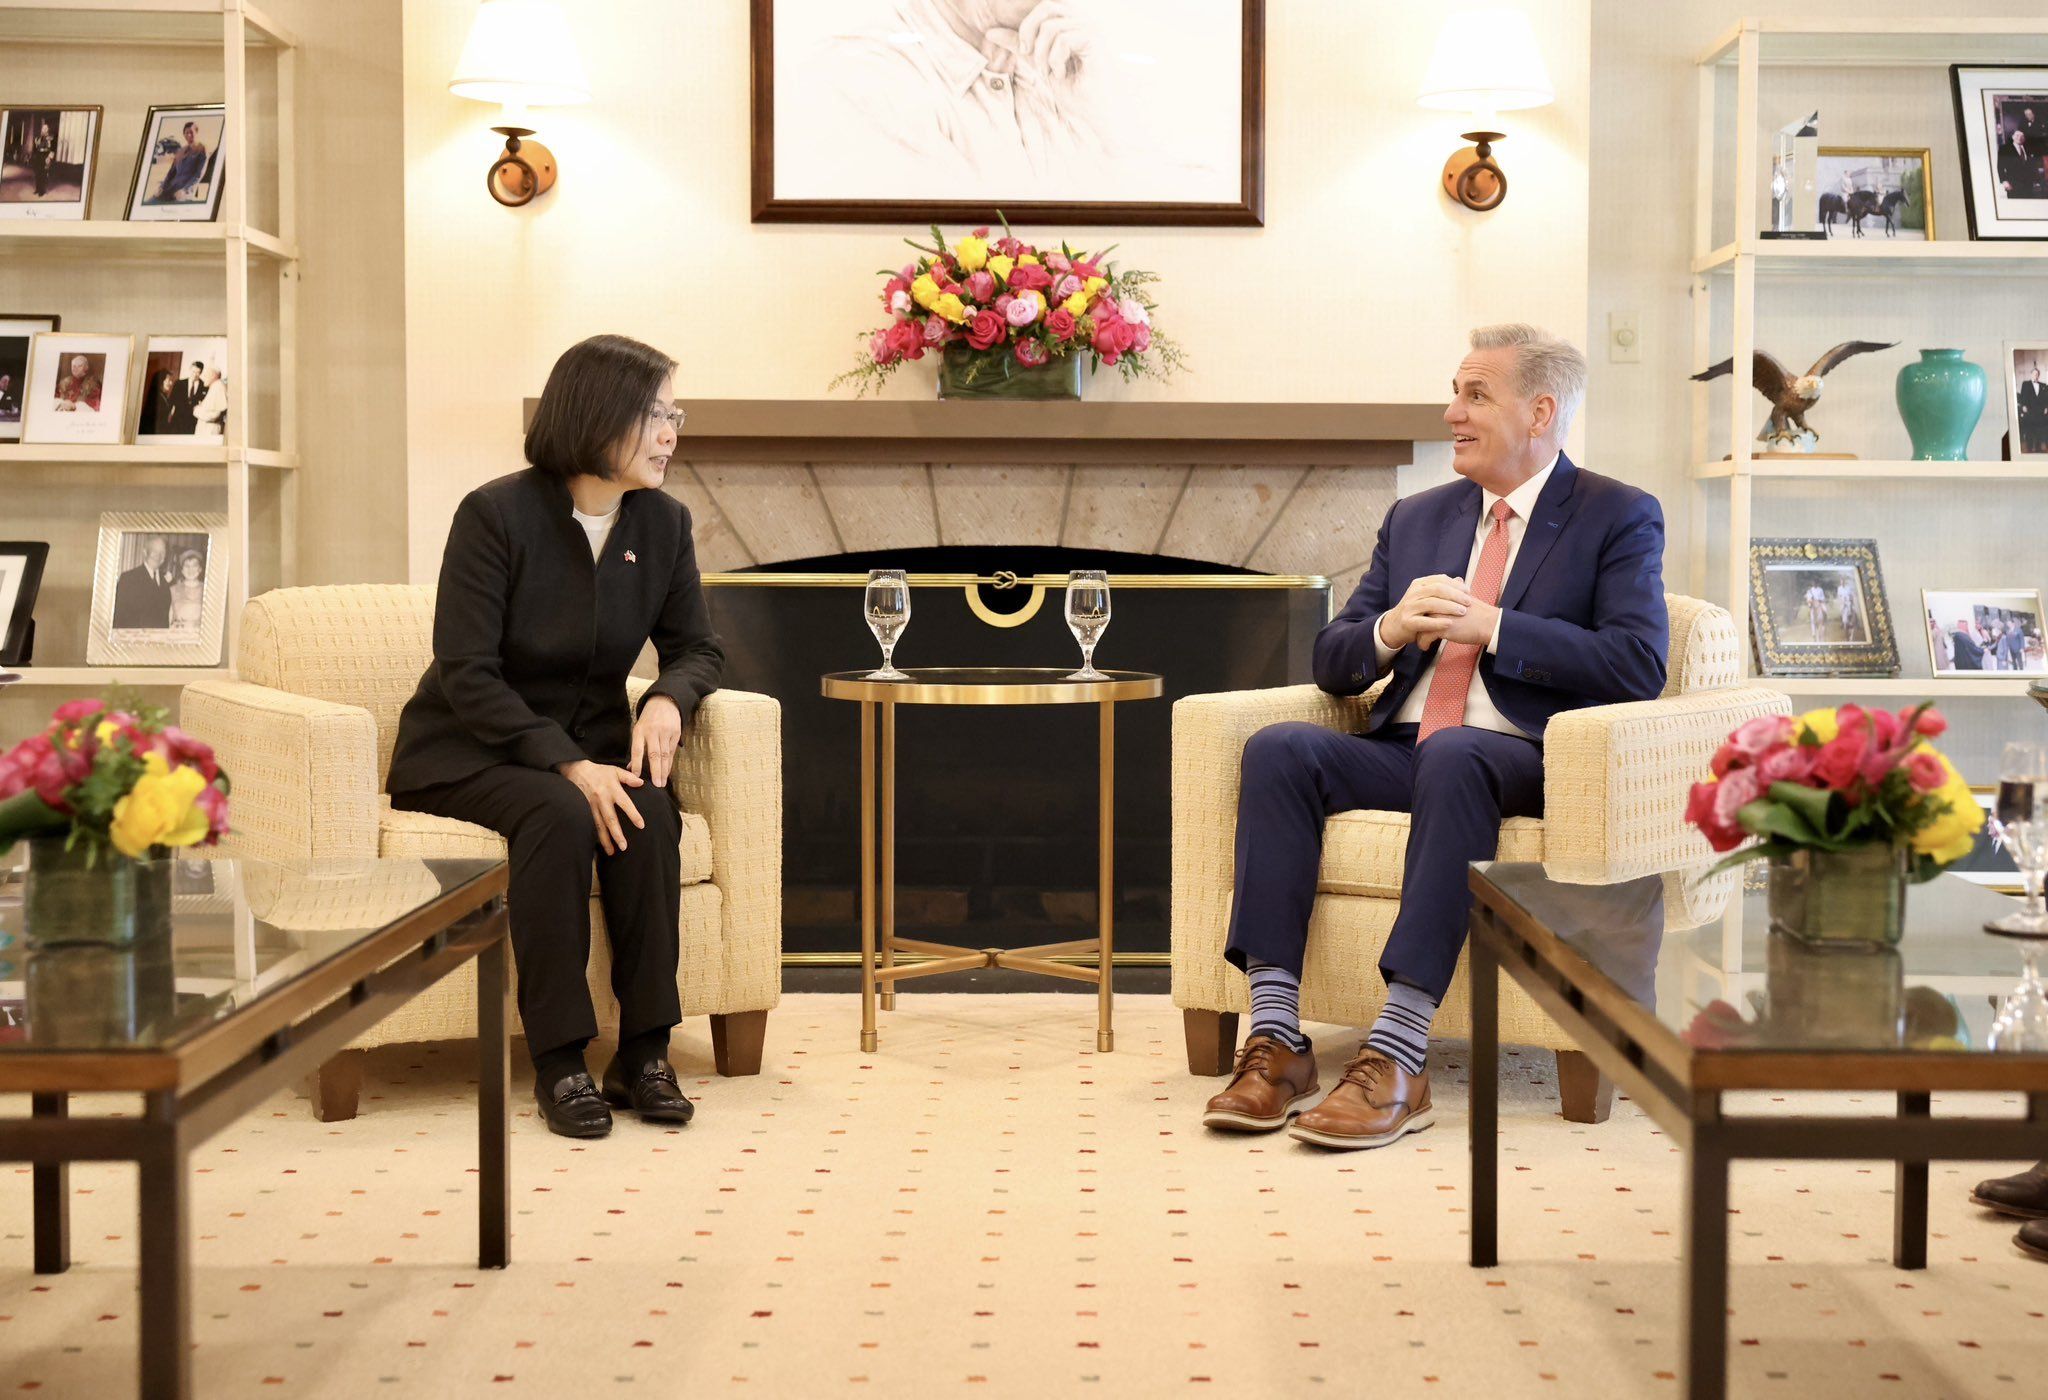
{"points": [[1614, 786], [307, 730]]}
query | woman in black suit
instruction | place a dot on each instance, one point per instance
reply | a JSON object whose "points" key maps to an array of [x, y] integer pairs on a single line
{"points": [[553, 581]]}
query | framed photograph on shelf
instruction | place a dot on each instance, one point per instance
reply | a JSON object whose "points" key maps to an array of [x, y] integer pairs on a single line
{"points": [[77, 388], [178, 171], [2002, 131], [21, 576], [1818, 608], [47, 156], [1988, 863], [184, 398], [2026, 399], [1975, 632], [1873, 191], [159, 590], [1144, 112], [17, 329]]}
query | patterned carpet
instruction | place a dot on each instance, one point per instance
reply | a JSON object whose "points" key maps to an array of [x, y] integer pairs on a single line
{"points": [[987, 1207]]}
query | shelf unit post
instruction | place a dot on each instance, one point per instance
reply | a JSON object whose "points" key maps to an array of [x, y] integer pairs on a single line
{"points": [[235, 62], [1697, 492], [1742, 379], [288, 313]]}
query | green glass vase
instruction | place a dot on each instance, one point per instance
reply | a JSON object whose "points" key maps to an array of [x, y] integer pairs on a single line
{"points": [[70, 899], [1941, 398], [1840, 899], [967, 373]]}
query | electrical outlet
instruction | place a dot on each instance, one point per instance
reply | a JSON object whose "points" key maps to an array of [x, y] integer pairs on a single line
{"points": [[1624, 342]]}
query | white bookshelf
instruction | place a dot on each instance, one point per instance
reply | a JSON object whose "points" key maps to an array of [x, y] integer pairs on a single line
{"points": [[1731, 267]]}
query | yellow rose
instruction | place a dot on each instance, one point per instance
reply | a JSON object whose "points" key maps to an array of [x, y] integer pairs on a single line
{"points": [[160, 810], [972, 253], [1027, 260], [1953, 834], [1002, 266], [1076, 305], [1094, 285], [924, 291], [950, 307]]}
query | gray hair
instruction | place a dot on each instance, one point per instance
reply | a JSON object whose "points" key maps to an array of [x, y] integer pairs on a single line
{"points": [[1544, 364]]}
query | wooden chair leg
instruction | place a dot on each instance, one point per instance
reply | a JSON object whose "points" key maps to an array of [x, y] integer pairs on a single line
{"points": [[1584, 1094], [736, 1040], [1212, 1040], [336, 1087]]}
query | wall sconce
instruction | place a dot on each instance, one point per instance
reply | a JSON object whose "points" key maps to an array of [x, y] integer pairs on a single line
{"points": [[520, 54], [1486, 62]]}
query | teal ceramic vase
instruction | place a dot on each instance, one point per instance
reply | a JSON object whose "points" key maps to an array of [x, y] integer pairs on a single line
{"points": [[1941, 399]]}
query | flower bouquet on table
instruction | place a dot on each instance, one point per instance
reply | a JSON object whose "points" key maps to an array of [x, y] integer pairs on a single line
{"points": [[102, 795], [1011, 321], [1849, 805]]}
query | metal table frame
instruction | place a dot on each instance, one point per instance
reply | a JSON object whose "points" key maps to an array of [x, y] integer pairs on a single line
{"points": [[970, 686], [202, 1085], [1682, 1091]]}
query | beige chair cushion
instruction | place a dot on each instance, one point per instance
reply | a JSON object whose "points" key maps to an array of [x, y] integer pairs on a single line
{"points": [[1363, 851], [427, 837]]}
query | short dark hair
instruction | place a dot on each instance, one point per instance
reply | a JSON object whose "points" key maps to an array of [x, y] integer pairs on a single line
{"points": [[597, 394]]}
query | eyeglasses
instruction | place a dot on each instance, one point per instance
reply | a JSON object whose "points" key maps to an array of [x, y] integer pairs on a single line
{"points": [[672, 416]]}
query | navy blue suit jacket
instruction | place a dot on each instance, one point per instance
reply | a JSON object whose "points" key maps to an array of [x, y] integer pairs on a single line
{"points": [[1583, 618]]}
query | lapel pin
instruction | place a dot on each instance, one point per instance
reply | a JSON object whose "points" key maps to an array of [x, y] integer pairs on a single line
{"points": [[631, 557]]}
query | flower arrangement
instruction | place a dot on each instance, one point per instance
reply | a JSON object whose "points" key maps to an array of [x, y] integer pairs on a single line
{"points": [[1002, 299], [112, 780], [1835, 780]]}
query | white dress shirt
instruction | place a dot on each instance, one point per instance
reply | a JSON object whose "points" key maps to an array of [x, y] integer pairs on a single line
{"points": [[1479, 708]]}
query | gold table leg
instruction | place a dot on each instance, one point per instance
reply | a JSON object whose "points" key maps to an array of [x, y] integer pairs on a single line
{"points": [[867, 876], [1105, 893], [888, 852]]}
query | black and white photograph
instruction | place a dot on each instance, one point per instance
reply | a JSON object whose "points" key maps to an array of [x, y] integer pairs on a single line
{"points": [[1818, 608], [2026, 399], [17, 331], [159, 590], [178, 171], [1089, 111], [46, 161], [21, 576], [184, 393], [1876, 192], [2002, 127], [1976, 632], [77, 388]]}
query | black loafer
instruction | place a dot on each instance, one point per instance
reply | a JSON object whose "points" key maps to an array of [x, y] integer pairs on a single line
{"points": [[572, 1107], [653, 1092], [2024, 1196], [2033, 1239]]}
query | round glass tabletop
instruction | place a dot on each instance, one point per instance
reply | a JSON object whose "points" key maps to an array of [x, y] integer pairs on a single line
{"points": [[992, 685]]}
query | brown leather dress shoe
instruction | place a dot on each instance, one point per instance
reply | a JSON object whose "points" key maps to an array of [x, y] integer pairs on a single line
{"points": [[2024, 1195], [1374, 1103], [1270, 1083]]}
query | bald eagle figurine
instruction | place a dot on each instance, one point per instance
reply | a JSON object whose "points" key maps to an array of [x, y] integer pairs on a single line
{"points": [[1792, 395]]}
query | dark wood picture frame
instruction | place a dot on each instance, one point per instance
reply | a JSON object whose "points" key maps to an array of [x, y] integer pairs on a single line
{"points": [[1963, 129], [213, 165], [1247, 210], [15, 623], [47, 324]]}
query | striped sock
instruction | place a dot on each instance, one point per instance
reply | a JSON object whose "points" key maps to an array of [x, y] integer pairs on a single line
{"points": [[1402, 1031], [1276, 1005]]}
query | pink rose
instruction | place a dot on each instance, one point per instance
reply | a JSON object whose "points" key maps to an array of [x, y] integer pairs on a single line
{"points": [[212, 801], [1702, 811], [1066, 287], [878, 349], [1060, 325], [936, 331], [981, 285], [1924, 771], [182, 750], [1022, 311], [1002, 304], [72, 711], [1141, 339], [1930, 725], [1012, 247], [906, 341], [982, 233], [1030, 277], [1059, 262], [1751, 741], [1113, 338], [1840, 760], [1785, 765], [986, 330], [1031, 352]]}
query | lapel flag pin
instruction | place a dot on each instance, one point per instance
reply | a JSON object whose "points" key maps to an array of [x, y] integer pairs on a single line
{"points": [[631, 557]]}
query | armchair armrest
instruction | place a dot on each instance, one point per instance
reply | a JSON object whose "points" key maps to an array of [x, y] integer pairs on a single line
{"points": [[729, 771], [1615, 779], [1209, 735], [304, 771]]}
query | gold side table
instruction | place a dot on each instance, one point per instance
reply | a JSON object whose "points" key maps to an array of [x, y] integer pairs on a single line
{"points": [[975, 686]]}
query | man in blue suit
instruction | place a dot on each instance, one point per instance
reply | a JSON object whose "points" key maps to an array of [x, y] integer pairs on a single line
{"points": [[1528, 587]]}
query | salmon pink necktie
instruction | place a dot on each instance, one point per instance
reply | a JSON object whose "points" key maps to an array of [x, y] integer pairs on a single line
{"points": [[1456, 661]]}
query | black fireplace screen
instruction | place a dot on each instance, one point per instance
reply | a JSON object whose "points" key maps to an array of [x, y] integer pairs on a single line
{"points": [[996, 819]]}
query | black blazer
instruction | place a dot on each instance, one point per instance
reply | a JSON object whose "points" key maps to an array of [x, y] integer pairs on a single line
{"points": [[533, 642]]}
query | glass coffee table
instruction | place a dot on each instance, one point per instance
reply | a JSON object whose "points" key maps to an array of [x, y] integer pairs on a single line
{"points": [[265, 971], [1675, 987]]}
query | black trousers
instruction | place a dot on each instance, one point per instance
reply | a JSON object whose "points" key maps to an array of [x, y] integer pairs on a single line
{"points": [[553, 838]]}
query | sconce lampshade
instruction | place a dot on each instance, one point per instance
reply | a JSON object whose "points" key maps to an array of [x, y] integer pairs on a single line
{"points": [[521, 53], [1486, 61]]}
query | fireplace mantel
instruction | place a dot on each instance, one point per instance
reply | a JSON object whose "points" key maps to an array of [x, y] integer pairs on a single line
{"points": [[899, 430]]}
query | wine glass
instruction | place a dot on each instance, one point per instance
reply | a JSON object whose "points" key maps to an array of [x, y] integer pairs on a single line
{"points": [[2020, 824], [1087, 617], [888, 609]]}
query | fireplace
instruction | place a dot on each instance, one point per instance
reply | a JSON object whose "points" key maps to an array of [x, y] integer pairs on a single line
{"points": [[996, 819]]}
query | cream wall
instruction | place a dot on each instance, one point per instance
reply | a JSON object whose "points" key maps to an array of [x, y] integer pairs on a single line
{"points": [[1359, 287]]}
